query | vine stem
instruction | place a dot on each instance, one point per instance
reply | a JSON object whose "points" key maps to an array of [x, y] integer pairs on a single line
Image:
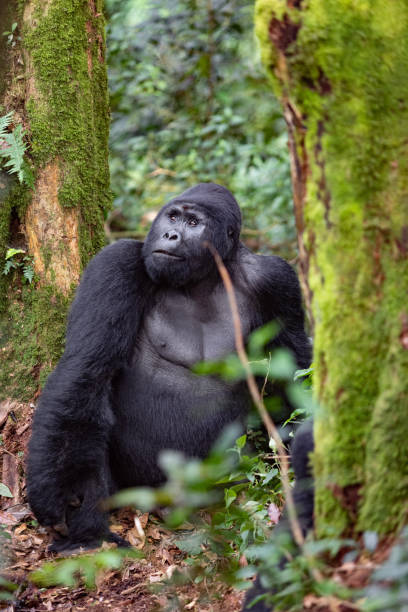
{"points": [[282, 456]]}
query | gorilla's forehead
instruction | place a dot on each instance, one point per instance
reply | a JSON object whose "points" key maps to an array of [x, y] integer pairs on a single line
{"points": [[185, 207], [212, 200], [182, 204]]}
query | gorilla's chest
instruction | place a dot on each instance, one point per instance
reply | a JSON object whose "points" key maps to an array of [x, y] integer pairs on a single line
{"points": [[184, 329]]}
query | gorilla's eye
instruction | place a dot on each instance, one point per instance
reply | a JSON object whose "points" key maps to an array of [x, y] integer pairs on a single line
{"points": [[193, 222], [173, 218]]}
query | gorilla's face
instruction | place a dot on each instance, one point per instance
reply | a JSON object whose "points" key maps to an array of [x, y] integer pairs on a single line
{"points": [[175, 252]]}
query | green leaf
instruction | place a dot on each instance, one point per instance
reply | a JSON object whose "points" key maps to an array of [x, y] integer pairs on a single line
{"points": [[5, 491], [302, 373], [9, 265], [5, 122], [241, 441], [229, 496], [28, 273], [192, 543], [68, 572], [11, 252], [143, 497], [260, 337], [14, 152]]}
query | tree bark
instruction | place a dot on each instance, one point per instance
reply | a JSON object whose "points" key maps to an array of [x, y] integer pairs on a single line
{"points": [[339, 70], [57, 88]]}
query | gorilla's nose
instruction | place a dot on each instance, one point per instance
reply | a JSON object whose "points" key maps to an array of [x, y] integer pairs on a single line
{"points": [[172, 235]]}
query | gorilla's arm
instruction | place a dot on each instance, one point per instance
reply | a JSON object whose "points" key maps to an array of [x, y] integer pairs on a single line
{"points": [[277, 288], [67, 451]]}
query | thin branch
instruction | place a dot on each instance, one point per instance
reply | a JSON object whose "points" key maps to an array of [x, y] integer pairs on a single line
{"points": [[273, 433], [281, 454]]}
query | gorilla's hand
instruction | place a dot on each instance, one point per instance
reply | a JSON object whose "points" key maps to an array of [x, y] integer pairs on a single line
{"points": [[48, 502], [86, 524]]}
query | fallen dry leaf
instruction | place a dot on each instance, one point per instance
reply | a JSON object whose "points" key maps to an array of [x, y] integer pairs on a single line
{"points": [[156, 577], [6, 406], [6, 518], [192, 603], [143, 518], [154, 533], [170, 571], [137, 536], [19, 512], [20, 529], [10, 476]]}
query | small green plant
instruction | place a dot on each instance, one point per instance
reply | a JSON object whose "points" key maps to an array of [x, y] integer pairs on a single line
{"points": [[16, 259], [286, 584], [83, 568], [11, 35], [388, 585], [7, 589], [234, 487], [12, 149]]}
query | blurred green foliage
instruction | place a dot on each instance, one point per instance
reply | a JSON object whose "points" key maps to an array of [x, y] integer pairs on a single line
{"points": [[235, 489], [388, 588], [82, 568], [191, 103]]}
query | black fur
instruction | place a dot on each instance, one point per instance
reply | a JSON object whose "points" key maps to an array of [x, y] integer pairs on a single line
{"points": [[123, 390]]}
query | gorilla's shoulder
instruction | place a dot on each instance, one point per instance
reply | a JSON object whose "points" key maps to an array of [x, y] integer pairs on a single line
{"points": [[262, 271], [118, 253], [122, 256]]}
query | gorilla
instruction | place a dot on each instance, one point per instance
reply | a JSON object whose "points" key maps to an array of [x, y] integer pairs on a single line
{"points": [[143, 314]]}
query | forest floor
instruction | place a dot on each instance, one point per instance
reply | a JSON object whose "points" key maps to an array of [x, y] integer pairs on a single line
{"points": [[138, 585], [141, 584]]}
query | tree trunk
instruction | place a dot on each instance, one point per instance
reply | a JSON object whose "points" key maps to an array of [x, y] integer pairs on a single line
{"points": [[57, 88], [340, 69]]}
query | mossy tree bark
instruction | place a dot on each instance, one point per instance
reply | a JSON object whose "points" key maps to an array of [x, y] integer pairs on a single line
{"points": [[57, 88], [339, 68]]}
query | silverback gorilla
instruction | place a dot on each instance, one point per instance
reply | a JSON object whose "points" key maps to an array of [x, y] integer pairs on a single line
{"points": [[144, 313]]}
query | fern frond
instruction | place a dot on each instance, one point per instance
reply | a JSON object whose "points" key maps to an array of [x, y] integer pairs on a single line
{"points": [[14, 151], [5, 121], [28, 273]]}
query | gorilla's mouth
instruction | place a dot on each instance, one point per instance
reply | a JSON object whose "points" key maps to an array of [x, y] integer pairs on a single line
{"points": [[167, 253]]}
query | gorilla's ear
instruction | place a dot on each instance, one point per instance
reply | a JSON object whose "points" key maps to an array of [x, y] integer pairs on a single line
{"points": [[230, 232]]}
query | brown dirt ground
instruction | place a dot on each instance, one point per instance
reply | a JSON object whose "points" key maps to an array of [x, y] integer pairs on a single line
{"points": [[139, 585]]}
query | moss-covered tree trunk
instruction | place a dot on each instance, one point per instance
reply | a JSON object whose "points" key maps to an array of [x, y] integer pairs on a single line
{"points": [[54, 79], [340, 69]]}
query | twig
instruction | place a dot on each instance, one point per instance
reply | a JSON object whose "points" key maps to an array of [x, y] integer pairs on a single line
{"points": [[266, 378]]}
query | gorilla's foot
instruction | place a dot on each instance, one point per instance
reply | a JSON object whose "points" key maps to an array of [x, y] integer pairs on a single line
{"points": [[71, 546]]}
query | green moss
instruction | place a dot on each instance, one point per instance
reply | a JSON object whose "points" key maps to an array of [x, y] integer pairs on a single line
{"points": [[265, 10], [344, 75], [32, 335], [70, 122]]}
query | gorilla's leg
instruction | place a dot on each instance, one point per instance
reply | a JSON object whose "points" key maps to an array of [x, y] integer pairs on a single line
{"points": [[303, 495]]}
